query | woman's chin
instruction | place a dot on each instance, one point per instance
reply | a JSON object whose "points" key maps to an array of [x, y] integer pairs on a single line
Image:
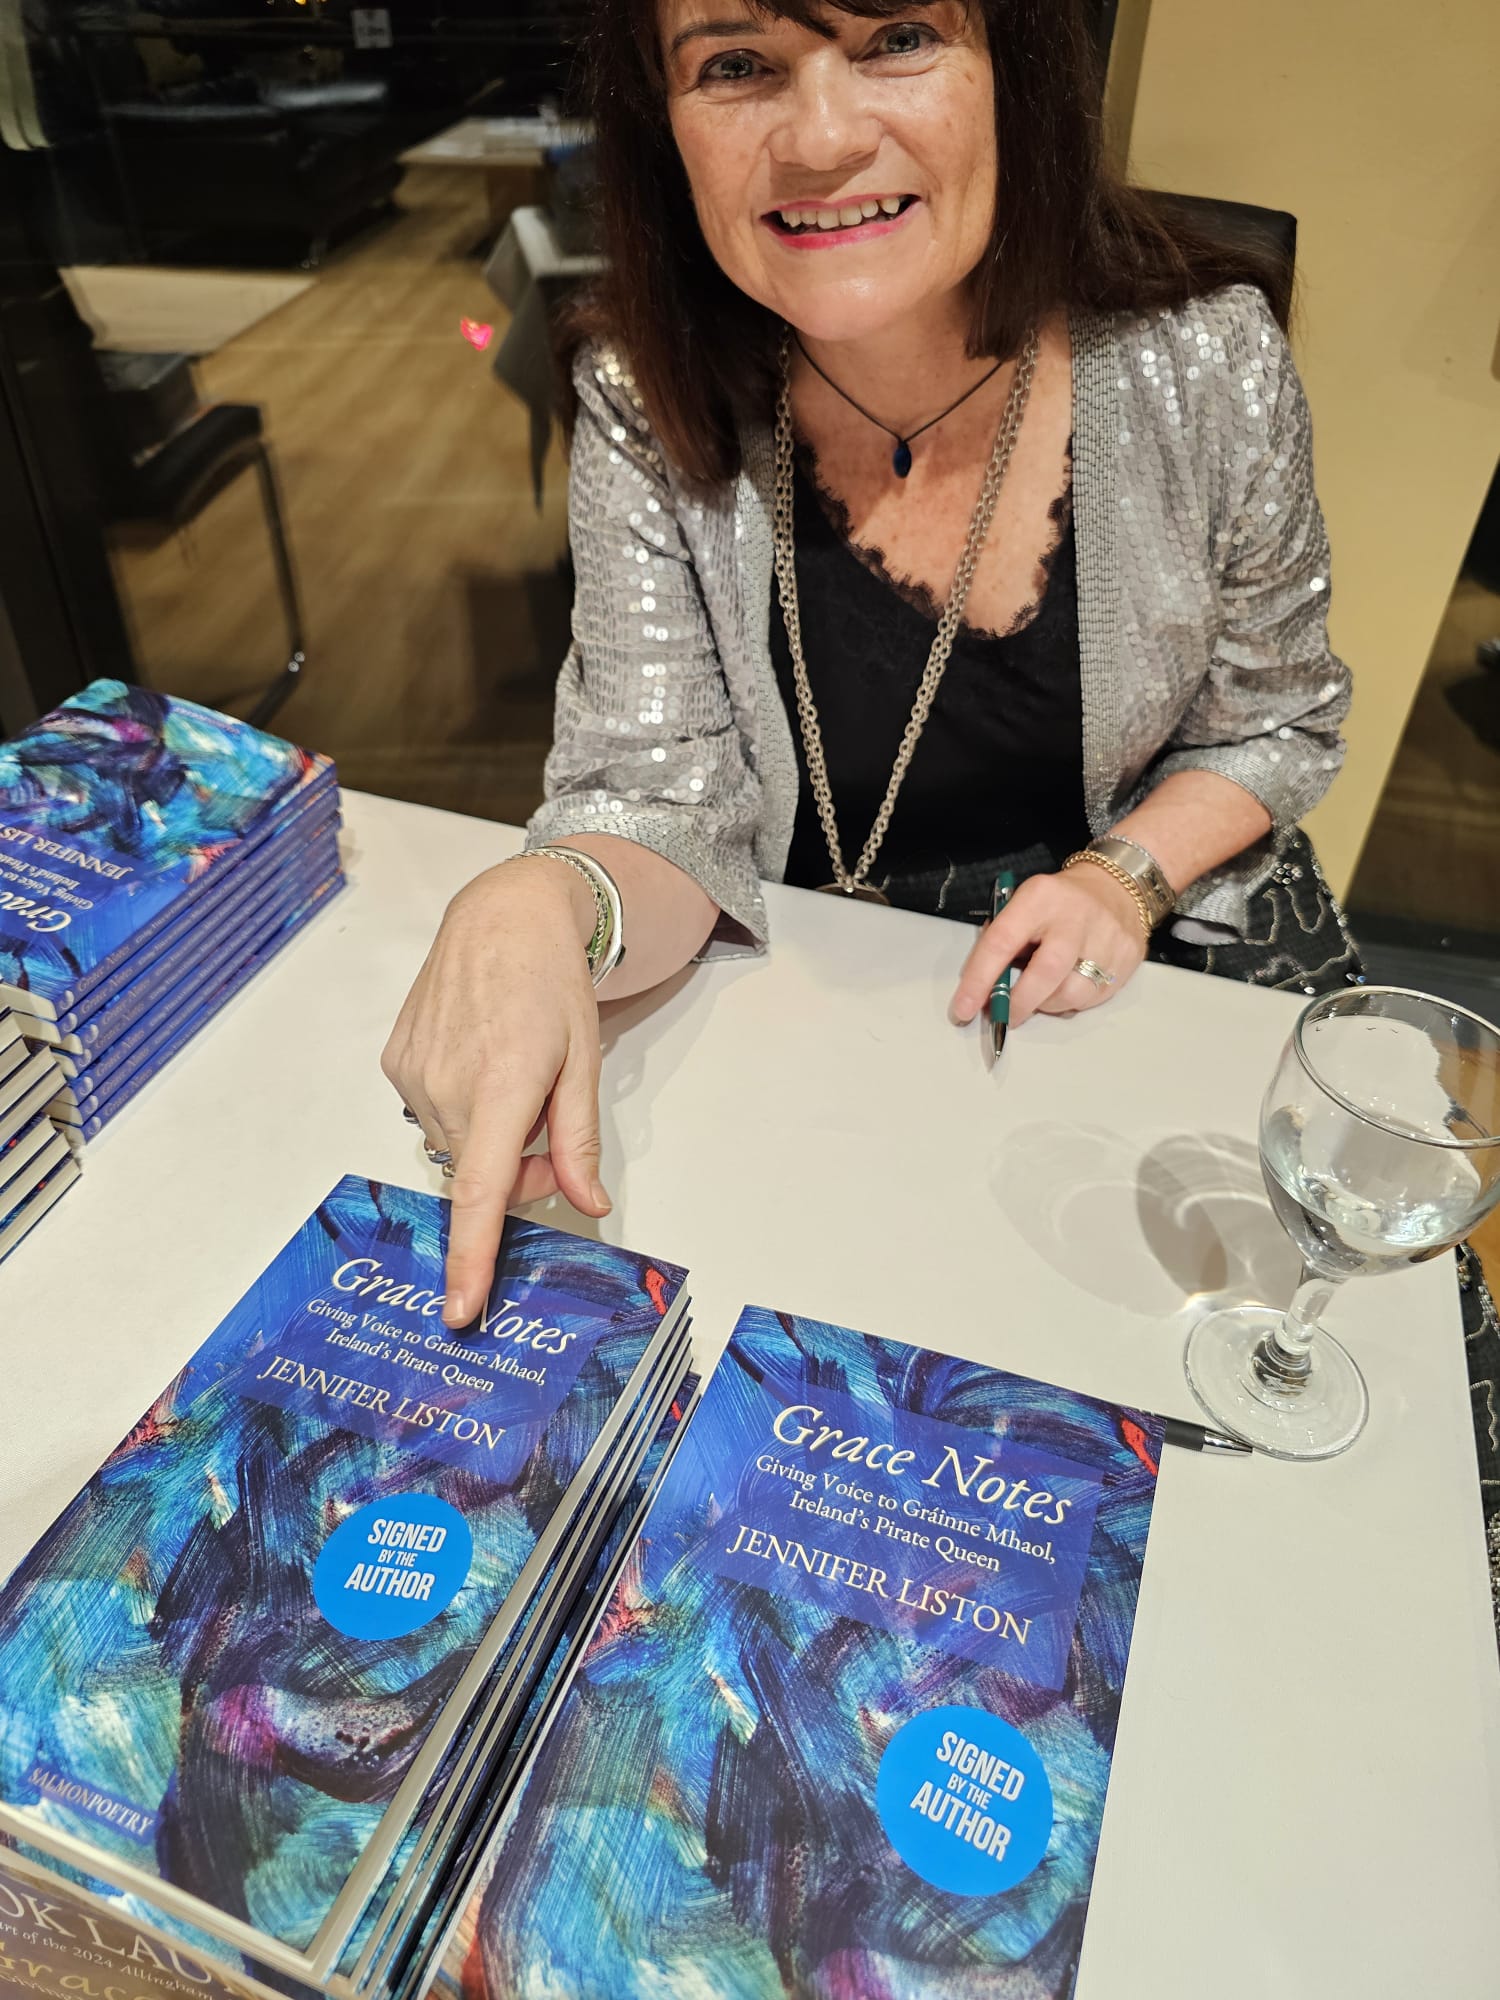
{"points": [[848, 311]]}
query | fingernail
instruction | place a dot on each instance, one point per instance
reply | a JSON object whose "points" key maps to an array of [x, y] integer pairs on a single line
{"points": [[601, 1199], [456, 1310], [961, 1013]]}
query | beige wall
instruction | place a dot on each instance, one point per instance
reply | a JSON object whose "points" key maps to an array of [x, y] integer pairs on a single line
{"points": [[1377, 123]]}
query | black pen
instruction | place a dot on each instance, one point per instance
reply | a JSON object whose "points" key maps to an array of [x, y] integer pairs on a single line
{"points": [[1197, 1437]]}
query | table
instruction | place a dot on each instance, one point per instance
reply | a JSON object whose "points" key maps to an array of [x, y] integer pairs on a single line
{"points": [[509, 152], [1305, 1791], [139, 309]]}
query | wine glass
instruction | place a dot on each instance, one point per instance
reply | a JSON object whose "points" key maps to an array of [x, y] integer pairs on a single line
{"points": [[1380, 1147]]}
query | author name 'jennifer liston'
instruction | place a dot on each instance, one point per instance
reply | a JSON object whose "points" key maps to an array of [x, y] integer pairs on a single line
{"points": [[923, 1598], [370, 1396]]}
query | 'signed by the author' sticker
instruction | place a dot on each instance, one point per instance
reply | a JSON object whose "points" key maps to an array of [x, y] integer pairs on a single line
{"points": [[964, 1800], [961, 1538], [393, 1566]]}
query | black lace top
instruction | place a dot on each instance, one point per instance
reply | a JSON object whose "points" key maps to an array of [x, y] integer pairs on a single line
{"points": [[998, 772]]}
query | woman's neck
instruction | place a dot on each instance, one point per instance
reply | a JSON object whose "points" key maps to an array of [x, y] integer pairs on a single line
{"points": [[904, 373]]}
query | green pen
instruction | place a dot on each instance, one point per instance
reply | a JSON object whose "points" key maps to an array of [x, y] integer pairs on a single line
{"points": [[1000, 895]]}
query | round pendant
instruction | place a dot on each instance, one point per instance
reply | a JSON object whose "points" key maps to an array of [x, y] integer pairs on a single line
{"points": [[862, 893]]}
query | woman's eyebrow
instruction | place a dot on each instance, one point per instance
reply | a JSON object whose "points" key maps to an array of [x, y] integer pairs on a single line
{"points": [[713, 28]]}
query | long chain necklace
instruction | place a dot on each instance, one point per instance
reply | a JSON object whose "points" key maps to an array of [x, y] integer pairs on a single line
{"points": [[901, 456], [783, 542]]}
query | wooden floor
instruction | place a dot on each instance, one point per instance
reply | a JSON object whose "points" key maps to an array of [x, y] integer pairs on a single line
{"points": [[435, 610]]}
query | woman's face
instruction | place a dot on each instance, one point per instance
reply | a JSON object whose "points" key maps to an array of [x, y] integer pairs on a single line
{"points": [[845, 181]]}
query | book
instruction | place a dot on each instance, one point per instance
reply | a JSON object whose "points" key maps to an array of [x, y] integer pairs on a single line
{"points": [[846, 1723], [26, 1211], [117, 1002], [117, 812], [32, 1088], [118, 1091], [166, 1010], [399, 1963], [93, 1914], [55, 1942], [72, 1031], [232, 1667], [21, 1152], [472, 1779]]}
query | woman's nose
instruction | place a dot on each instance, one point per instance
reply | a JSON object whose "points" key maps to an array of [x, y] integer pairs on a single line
{"points": [[827, 125]]}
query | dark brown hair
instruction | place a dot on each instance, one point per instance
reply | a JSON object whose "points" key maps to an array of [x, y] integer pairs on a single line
{"points": [[1067, 232]]}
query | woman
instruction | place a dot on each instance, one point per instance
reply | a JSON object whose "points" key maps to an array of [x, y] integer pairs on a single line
{"points": [[1033, 476]]}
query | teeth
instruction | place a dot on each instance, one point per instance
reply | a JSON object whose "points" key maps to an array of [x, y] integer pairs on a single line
{"points": [[827, 218], [849, 216], [892, 204], [791, 218], [869, 209]]}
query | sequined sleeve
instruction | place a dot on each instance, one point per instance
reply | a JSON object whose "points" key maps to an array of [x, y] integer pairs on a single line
{"points": [[646, 744], [1268, 711]]}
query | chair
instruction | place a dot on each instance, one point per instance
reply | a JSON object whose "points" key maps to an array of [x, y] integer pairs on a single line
{"points": [[145, 496], [1233, 223], [159, 494]]}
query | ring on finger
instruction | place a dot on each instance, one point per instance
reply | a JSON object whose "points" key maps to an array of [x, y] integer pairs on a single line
{"points": [[409, 1115], [449, 1170], [439, 1155], [1095, 973]]}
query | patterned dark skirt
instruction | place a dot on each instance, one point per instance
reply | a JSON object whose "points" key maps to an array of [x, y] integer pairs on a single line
{"points": [[1297, 941]]}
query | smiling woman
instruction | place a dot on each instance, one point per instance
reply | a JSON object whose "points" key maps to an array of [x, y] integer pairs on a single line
{"points": [[940, 514]]}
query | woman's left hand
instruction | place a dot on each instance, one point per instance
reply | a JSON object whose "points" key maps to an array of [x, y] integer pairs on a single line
{"points": [[1059, 919]]}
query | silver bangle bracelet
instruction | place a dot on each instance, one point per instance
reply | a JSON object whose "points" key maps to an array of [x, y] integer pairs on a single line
{"points": [[1143, 868], [606, 947]]}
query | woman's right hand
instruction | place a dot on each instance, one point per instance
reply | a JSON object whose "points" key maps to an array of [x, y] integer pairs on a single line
{"points": [[498, 1037]]}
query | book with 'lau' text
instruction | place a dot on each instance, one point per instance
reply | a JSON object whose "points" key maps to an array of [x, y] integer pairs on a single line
{"points": [[845, 1725]]}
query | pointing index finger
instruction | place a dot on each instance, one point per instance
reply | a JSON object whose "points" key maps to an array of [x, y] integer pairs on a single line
{"points": [[485, 1173]]}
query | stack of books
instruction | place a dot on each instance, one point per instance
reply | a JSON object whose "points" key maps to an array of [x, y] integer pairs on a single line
{"points": [[38, 1154], [846, 1724], [153, 856], [268, 1671]]}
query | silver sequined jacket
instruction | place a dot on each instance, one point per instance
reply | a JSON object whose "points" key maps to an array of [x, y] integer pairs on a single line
{"points": [[1202, 608]]}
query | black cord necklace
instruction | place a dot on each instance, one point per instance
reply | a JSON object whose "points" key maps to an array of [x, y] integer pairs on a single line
{"points": [[901, 456]]}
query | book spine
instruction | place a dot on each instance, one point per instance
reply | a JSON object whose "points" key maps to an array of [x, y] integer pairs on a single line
{"points": [[183, 918], [325, 784], [21, 1221], [169, 984], [116, 1100], [161, 1025]]}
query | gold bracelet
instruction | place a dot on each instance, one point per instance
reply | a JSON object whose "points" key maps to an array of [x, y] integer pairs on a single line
{"points": [[1120, 875]]}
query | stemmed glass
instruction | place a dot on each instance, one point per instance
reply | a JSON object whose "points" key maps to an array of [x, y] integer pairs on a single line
{"points": [[1380, 1147]]}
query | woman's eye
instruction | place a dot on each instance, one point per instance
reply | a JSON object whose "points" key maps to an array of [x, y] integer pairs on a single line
{"points": [[906, 38], [737, 67]]}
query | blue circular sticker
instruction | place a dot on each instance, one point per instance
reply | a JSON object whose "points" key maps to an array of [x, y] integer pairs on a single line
{"points": [[392, 1566], [964, 1800]]}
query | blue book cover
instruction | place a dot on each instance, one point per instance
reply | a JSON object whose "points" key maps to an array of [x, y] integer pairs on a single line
{"points": [[95, 1909], [229, 1669], [115, 810], [118, 1091], [845, 1726], [466, 1786], [404, 1961], [164, 1012]]}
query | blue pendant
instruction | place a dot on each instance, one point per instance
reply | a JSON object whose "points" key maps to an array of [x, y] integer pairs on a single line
{"points": [[901, 459]]}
